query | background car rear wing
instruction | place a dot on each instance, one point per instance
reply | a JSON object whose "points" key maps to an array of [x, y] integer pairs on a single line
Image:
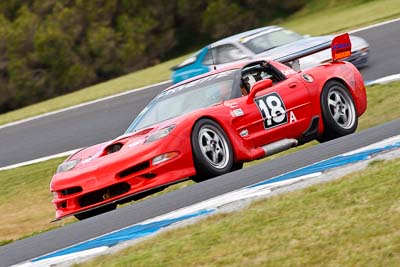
{"points": [[340, 48]]}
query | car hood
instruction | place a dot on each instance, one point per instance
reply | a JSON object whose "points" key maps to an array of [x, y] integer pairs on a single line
{"points": [[135, 139]]}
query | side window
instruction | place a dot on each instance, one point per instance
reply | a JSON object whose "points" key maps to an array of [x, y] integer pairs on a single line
{"points": [[262, 71], [228, 53], [255, 72], [223, 54], [207, 60]]}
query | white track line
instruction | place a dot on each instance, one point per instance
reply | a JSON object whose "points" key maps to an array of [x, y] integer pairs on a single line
{"points": [[387, 79], [62, 154], [81, 105], [375, 25]]}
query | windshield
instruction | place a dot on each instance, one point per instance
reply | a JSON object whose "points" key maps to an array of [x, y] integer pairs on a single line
{"points": [[265, 41], [185, 98]]}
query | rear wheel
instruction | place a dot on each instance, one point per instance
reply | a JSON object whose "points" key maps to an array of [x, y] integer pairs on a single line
{"points": [[338, 111], [97, 211], [212, 151]]}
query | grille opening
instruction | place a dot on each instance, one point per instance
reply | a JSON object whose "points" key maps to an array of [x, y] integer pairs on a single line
{"points": [[103, 194], [71, 190], [61, 205], [148, 175], [133, 169]]}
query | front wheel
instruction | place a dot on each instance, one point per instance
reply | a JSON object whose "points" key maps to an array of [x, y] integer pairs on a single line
{"points": [[212, 151], [338, 111]]}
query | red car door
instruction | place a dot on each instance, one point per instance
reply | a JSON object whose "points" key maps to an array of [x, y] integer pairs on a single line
{"points": [[280, 111]]}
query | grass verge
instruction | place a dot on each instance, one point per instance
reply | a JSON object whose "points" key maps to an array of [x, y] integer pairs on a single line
{"points": [[318, 17], [25, 200], [323, 17], [354, 221]]}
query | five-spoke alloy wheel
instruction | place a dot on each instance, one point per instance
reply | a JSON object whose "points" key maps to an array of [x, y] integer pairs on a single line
{"points": [[212, 151], [338, 111]]}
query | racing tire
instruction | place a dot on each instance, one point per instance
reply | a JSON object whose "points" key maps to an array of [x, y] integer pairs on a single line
{"points": [[212, 150], [339, 114], [237, 166], [95, 212]]}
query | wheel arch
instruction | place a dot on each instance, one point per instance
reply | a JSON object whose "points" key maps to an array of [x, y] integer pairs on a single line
{"points": [[325, 136], [340, 80], [349, 88], [223, 125]]}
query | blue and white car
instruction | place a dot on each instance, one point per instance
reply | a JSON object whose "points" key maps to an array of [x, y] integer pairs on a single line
{"points": [[271, 42]]}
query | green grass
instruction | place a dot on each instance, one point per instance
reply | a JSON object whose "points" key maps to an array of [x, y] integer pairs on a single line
{"points": [[24, 186], [321, 18], [318, 17], [383, 105], [354, 221], [25, 201]]}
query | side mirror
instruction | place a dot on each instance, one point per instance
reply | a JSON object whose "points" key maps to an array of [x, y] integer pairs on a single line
{"points": [[257, 87]]}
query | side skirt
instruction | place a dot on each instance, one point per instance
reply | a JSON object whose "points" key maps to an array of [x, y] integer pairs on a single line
{"points": [[312, 131]]}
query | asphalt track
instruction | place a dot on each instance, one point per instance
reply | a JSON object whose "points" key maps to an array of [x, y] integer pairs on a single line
{"points": [[102, 121], [42, 244]]}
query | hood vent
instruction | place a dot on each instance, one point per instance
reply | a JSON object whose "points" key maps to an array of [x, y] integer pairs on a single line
{"points": [[113, 148]]}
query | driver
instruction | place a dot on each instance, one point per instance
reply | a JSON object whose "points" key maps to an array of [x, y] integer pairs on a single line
{"points": [[244, 87], [246, 83]]}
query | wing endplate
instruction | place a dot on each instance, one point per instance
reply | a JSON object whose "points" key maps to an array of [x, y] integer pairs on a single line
{"points": [[341, 47]]}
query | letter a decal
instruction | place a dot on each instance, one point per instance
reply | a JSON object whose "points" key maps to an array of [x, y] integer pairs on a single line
{"points": [[292, 117]]}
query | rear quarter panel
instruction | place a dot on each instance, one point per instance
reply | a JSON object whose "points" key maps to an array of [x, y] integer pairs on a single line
{"points": [[344, 72]]}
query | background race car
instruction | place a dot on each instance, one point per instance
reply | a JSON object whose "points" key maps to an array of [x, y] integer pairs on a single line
{"points": [[263, 43]]}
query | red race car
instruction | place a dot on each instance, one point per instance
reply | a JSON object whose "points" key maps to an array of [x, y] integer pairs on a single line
{"points": [[210, 125]]}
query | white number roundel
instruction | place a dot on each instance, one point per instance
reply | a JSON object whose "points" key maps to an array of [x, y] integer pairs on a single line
{"points": [[278, 113], [272, 110]]}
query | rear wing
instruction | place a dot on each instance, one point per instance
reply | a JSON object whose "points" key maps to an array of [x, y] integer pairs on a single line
{"points": [[340, 47]]}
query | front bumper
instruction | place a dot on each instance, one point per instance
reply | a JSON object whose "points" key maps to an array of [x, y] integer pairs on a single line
{"points": [[116, 182]]}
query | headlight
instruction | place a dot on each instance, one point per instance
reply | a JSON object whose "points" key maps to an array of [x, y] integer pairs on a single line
{"points": [[68, 165], [164, 157], [160, 134]]}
